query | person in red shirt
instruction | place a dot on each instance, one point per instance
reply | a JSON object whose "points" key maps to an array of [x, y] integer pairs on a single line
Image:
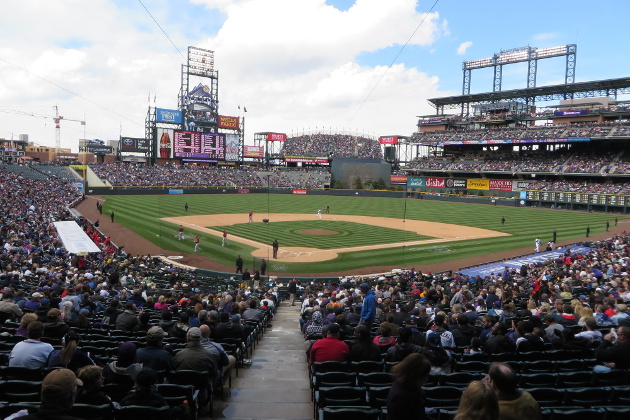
{"points": [[330, 348]]}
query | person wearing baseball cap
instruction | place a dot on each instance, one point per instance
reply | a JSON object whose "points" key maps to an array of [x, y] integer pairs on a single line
{"points": [[59, 389], [368, 309], [153, 355]]}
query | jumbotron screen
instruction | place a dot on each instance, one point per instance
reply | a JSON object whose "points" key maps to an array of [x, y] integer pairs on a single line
{"points": [[190, 144]]}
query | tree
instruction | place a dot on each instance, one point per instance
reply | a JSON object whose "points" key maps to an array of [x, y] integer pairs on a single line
{"points": [[358, 184], [380, 184]]}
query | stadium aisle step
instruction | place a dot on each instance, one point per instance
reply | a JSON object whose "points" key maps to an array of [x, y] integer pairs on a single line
{"points": [[276, 385]]}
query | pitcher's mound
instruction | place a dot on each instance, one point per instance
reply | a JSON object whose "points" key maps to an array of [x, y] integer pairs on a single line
{"points": [[321, 232]]}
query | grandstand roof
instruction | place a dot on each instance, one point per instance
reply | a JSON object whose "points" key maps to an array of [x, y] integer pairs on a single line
{"points": [[608, 87]]}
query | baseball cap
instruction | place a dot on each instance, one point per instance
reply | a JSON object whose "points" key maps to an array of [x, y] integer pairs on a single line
{"points": [[37, 295], [434, 339], [194, 334], [155, 333], [364, 286], [60, 382]]}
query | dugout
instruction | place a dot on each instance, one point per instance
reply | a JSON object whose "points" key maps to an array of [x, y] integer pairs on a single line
{"points": [[348, 170]]}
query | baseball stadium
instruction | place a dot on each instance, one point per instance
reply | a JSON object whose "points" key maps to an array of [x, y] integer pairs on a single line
{"points": [[492, 241]]}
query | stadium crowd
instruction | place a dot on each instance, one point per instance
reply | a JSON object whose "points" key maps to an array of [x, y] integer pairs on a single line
{"points": [[550, 162], [333, 145], [138, 175], [48, 295], [560, 131]]}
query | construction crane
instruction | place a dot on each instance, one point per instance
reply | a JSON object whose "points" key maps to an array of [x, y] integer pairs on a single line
{"points": [[57, 119]]}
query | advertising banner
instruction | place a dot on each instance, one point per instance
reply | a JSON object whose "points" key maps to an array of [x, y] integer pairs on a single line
{"points": [[243, 191], [455, 183], [228, 122], [231, 147], [521, 185], [500, 185], [131, 144], [415, 181], [388, 140], [276, 137], [99, 149], [478, 184], [170, 116], [299, 192], [306, 159], [398, 179], [254, 151], [435, 182], [164, 136]]}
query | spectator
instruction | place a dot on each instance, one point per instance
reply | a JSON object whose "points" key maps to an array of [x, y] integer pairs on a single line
{"points": [[364, 349], [59, 389], [614, 351], [330, 347], [125, 364], [405, 400], [91, 392], [70, 356], [478, 402], [32, 352], [153, 355], [513, 404]]}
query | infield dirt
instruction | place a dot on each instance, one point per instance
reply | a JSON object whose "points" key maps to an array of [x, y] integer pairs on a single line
{"points": [[441, 232]]}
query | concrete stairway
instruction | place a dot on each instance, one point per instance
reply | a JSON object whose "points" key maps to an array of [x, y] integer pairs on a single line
{"points": [[276, 385]]}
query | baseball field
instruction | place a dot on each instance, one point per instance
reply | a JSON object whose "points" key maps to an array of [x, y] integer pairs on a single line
{"points": [[357, 232]]}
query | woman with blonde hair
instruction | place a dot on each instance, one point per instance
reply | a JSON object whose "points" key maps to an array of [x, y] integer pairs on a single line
{"points": [[26, 319], [66, 311], [545, 308], [161, 303], [478, 402], [584, 312]]}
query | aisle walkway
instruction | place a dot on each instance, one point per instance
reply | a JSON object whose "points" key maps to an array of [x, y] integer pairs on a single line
{"points": [[276, 385]]}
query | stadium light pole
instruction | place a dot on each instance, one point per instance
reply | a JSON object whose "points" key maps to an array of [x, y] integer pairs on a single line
{"points": [[268, 228]]}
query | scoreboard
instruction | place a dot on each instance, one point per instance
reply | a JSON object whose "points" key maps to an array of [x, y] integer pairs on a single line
{"points": [[578, 198], [191, 144]]}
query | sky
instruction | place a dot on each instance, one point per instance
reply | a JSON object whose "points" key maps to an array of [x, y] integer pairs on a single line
{"points": [[362, 66]]}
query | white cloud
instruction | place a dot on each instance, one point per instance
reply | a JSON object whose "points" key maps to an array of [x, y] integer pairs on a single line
{"points": [[292, 63], [463, 47]]}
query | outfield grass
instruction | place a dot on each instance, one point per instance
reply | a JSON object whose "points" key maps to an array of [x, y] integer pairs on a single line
{"points": [[142, 214]]}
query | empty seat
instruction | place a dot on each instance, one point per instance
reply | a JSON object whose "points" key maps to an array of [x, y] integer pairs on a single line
{"points": [[339, 396], [587, 396], [460, 379], [442, 396], [349, 413], [367, 366], [375, 379], [574, 379], [536, 380], [547, 396], [579, 414]]}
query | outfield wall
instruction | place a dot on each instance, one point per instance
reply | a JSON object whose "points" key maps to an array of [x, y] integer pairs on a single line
{"points": [[575, 201]]}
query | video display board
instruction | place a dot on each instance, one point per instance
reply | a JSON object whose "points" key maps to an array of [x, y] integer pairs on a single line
{"points": [[190, 144]]}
